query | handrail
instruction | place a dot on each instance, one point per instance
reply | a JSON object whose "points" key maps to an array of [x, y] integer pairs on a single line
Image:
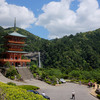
{"points": [[15, 60], [16, 42]]}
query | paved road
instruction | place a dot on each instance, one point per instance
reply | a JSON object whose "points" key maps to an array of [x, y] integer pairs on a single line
{"points": [[61, 92]]}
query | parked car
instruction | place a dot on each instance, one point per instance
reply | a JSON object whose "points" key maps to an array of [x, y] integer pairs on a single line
{"points": [[62, 80], [45, 96], [36, 92], [97, 91]]}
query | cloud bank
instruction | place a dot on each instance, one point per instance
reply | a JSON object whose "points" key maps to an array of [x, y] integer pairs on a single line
{"points": [[8, 12], [60, 20]]}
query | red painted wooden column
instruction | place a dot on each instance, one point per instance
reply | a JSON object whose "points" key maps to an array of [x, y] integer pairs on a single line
{"points": [[14, 63], [25, 64]]}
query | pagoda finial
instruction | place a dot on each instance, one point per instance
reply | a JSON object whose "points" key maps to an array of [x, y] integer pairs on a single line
{"points": [[15, 24]]}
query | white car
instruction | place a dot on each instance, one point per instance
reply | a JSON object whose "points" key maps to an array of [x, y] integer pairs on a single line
{"points": [[62, 80]]}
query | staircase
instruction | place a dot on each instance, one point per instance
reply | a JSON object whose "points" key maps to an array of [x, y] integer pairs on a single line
{"points": [[25, 73]]}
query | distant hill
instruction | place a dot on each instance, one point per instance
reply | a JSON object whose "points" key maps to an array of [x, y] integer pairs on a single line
{"points": [[81, 51]]}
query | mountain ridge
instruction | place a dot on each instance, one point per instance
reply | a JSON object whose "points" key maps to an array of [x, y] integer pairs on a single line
{"points": [[70, 52]]}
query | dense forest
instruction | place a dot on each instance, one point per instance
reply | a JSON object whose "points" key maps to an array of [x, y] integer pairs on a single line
{"points": [[80, 51]]}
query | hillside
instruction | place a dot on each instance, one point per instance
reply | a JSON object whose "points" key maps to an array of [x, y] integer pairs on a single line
{"points": [[33, 42], [81, 51]]}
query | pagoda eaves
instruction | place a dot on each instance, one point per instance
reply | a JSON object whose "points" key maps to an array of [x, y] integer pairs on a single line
{"points": [[15, 42]]}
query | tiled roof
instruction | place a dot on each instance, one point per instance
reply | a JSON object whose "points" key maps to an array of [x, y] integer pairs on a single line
{"points": [[16, 34]]}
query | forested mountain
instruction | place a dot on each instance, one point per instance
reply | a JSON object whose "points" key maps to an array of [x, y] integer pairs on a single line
{"points": [[81, 51]]}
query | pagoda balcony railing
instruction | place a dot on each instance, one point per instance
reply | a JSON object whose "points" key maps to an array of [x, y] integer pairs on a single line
{"points": [[15, 60], [10, 49], [18, 42]]}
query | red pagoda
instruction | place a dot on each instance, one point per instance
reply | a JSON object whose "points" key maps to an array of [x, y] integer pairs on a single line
{"points": [[14, 44], [13, 54]]}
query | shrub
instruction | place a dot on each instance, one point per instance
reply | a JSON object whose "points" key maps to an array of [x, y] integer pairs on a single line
{"points": [[54, 83], [73, 80], [11, 71], [48, 82], [45, 79], [65, 76], [28, 87], [40, 73], [7, 64], [34, 75], [43, 75], [18, 76], [12, 77], [85, 81], [54, 72], [11, 83], [86, 75], [59, 82], [9, 92], [34, 68], [74, 74], [52, 78]]}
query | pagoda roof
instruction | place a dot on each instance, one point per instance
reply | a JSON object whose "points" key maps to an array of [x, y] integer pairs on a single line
{"points": [[16, 34], [16, 52]]}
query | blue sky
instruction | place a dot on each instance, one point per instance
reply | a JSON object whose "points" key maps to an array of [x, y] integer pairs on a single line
{"points": [[51, 18], [35, 6]]}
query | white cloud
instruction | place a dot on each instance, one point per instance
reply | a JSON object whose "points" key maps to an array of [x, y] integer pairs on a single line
{"points": [[8, 12], [60, 20]]}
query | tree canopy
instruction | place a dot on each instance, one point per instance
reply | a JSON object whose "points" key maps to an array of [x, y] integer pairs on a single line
{"points": [[81, 51]]}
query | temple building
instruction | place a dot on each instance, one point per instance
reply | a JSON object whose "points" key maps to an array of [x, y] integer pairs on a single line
{"points": [[13, 54]]}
